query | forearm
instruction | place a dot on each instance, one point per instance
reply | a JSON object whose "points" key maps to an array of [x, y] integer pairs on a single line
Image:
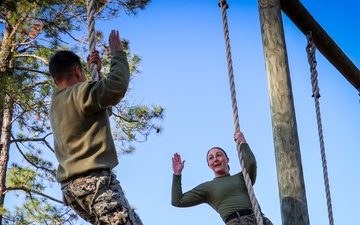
{"points": [[249, 161], [176, 190], [110, 90], [119, 76]]}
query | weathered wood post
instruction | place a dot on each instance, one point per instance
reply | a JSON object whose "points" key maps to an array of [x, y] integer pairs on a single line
{"points": [[293, 202]]}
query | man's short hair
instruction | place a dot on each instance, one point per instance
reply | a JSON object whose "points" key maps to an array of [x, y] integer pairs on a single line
{"points": [[62, 62]]}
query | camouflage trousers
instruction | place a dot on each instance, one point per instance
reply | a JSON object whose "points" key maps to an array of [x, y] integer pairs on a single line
{"points": [[99, 199], [248, 220]]}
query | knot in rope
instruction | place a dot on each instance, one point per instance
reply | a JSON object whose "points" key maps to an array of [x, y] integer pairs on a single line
{"points": [[223, 4], [310, 49]]}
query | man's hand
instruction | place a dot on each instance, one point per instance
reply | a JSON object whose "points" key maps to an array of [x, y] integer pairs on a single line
{"points": [[95, 58], [114, 42]]}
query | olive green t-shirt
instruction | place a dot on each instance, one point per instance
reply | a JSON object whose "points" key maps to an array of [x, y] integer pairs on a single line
{"points": [[226, 194], [79, 117]]}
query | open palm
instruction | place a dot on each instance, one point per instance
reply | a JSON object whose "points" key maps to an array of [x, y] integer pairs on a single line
{"points": [[177, 164]]}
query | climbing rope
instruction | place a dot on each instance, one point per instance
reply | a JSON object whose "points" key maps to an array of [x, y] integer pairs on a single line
{"points": [[255, 205], [310, 49], [91, 29]]}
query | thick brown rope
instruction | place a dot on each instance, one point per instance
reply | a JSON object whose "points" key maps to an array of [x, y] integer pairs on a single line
{"points": [[310, 49], [91, 30], [255, 205]]}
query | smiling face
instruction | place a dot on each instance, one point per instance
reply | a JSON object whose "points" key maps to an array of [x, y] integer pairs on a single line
{"points": [[218, 162]]}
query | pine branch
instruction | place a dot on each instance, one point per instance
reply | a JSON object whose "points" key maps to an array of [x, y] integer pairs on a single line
{"points": [[19, 22], [127, 119], [18, 116], [28, 160]]}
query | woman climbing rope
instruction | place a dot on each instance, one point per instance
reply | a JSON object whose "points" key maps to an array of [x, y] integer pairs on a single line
{"points": [[226, 193]]}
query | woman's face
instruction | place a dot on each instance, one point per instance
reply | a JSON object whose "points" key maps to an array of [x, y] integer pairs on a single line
{"points": [[218, 162]]}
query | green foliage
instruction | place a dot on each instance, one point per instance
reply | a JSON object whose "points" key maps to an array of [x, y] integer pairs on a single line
{"points": [[39, 211], [2, 210], [22, 177], [32, 33], [133, 123]]}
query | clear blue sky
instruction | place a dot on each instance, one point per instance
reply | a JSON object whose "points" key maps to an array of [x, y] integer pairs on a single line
{"points": [[184, 69]]}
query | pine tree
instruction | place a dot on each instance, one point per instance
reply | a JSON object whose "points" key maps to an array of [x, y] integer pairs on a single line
{"points": [[32, 31]]}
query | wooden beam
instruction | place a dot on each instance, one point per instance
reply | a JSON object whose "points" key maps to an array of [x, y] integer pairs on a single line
{"points": [[291, 184], [324, 43]]}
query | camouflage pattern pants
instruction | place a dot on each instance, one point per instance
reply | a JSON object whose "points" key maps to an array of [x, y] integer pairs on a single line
{"points": [[99, 199], [248, 220]]}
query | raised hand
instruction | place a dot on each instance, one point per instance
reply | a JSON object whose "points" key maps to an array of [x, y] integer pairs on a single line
{"points": [[114, 42], [177, 164]]}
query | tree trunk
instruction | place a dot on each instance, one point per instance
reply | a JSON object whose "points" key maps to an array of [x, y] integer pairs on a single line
{"points": [[6, 113], [5, 47], [5, 148]]}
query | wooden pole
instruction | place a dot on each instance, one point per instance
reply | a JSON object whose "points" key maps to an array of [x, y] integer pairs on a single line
{"points": [[293, 203], [324, 43]]}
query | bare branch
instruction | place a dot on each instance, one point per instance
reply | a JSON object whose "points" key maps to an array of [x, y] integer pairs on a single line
{"points": [[34, 56], [43, 139], [27, 47], [24, 43], [32, 70], [28, 190], [74, 38]]}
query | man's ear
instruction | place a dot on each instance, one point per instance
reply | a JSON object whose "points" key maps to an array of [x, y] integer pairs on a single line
{"points": [[77, 72]]}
